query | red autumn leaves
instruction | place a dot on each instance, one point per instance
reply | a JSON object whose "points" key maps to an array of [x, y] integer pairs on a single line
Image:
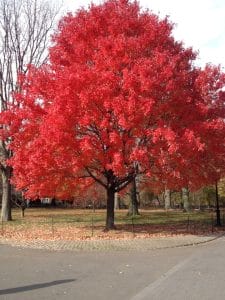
{"points": [[118, 92]]}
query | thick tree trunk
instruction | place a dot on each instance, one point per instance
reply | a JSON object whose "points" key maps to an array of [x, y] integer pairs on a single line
{"points": [[6, 195], [110, 209], [133, 205], [185, 199], [167, 197]]}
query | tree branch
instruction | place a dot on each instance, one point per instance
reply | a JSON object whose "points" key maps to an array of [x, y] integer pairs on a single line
{"points": [[95, 178]]}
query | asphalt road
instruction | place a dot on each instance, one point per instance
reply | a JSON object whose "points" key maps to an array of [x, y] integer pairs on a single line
{"points": [[196, 272]]}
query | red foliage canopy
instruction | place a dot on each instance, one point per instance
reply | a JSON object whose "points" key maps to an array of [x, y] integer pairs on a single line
{"points": [[119, 96]]}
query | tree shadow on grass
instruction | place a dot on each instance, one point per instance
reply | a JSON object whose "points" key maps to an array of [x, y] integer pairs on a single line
{"points": [[148, 230], [34, 286]]}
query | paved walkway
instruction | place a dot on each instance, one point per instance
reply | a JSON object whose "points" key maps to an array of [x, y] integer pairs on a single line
{"points": [[112, 245]]}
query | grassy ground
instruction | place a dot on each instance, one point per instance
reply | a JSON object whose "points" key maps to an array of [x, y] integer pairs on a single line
{"points": [[83, 216], [55, 223]]}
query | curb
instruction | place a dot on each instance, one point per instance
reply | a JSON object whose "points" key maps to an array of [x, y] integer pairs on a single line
{"points": [[195, 243]]}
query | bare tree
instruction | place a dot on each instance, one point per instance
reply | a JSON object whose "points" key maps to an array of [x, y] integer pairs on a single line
{"points": [[25, 28]]}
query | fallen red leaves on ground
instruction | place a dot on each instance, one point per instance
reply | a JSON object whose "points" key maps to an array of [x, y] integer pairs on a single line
{"points": [[70, 232]]}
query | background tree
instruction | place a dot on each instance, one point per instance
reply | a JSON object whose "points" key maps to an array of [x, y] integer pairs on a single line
{"points": [[118, 89], [117, 201], [133, 203], [185, 199], [25, 26], [167, 198]]}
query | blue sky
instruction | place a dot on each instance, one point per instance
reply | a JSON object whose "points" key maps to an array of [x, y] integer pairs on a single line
{"points": [[199, 23]]}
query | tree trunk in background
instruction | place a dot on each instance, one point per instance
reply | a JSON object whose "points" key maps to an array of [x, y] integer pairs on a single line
{"points": [[117, 201], [6, 195], [218, 219], [167, 197], [22, 212], [133, 205], [110, 209], [23, 206], [53, 203], [185, 199]]}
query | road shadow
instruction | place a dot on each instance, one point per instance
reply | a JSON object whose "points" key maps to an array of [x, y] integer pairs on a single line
{"points": [[34, 286]]}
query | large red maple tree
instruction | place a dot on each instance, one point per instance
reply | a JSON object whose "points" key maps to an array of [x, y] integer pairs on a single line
{"points": [[119, 97]]}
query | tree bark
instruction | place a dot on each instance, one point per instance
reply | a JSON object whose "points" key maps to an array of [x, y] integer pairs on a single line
{"points": [[167, 197], [23, 206], [218, 220], [6, 214], [117, 201], [22, 212], [185, 199], [110, 209], [133, 205], [53, 203]]}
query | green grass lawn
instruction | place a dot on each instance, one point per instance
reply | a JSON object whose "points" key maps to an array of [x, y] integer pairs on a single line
{"points": [[80, 217]]}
